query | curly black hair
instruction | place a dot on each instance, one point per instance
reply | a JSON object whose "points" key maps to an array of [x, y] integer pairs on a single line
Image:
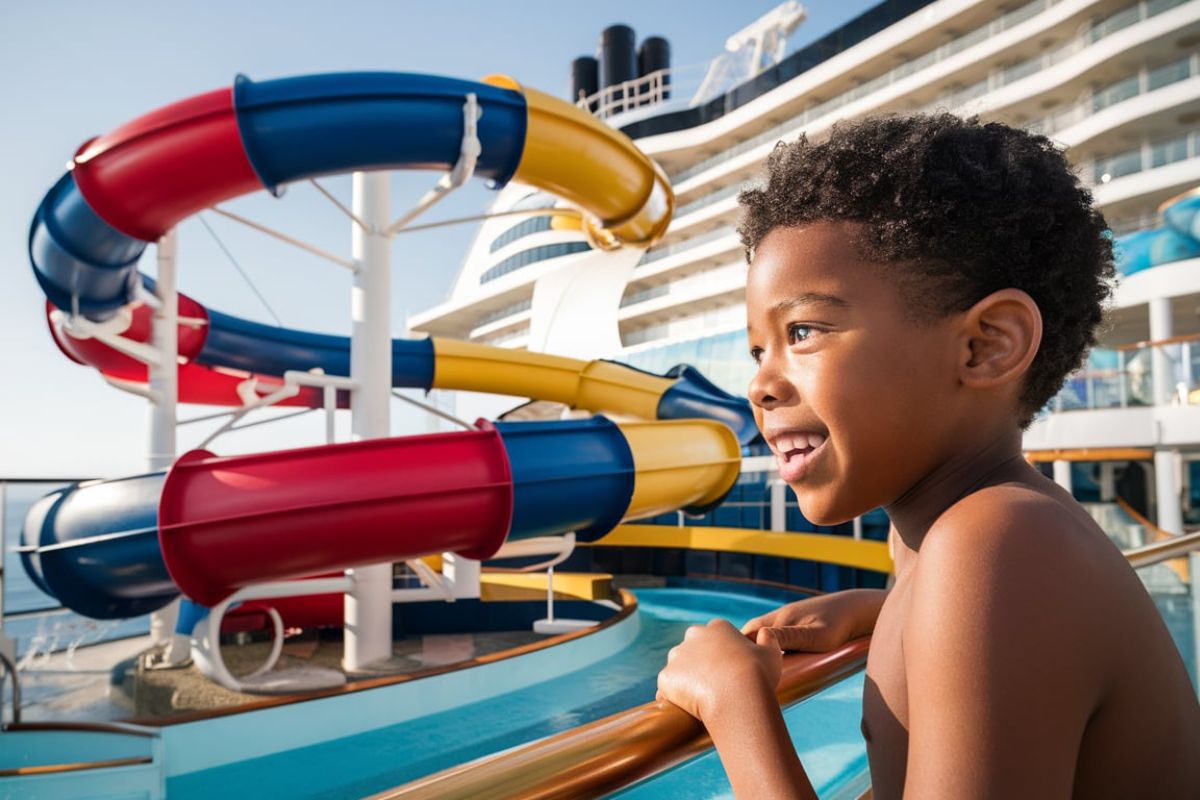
{"points": [[961, 209]]}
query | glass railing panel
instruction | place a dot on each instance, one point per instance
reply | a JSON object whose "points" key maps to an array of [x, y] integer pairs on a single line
{"points": [[1169, 151], [709, 199], [1124, 377], [1171, 73], [1117, 92], [501, 313], [687, 244], [1119, 21], [1172, 586]]}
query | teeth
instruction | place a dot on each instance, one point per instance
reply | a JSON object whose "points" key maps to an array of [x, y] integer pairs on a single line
{"points": [[798, 441]]}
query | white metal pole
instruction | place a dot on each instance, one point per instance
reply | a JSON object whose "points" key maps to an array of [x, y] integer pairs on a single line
{"points": [[368, 609], [1161, 327], [163, 376], [163, 380], [1166, 486], [1062, 474], [778, 504]]}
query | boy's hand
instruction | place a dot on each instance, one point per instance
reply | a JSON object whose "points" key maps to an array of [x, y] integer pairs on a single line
{"points": [[714, 665], [818, 624]]}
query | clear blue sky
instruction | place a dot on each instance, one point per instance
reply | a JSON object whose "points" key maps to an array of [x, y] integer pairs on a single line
{"points": [[71, 70]]}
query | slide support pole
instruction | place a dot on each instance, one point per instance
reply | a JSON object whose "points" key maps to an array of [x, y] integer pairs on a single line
{"points": [[368, 609], [163, 385]]}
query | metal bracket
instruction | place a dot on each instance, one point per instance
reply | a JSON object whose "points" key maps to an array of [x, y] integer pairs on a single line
{"points": [[469, 150]]}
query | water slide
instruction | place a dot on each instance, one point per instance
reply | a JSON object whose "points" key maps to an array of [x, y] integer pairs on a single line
{"points": [[211, 525], [1178, 238]]}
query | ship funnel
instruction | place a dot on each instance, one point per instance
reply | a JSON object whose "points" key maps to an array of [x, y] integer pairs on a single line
{"points": [[618, 57], [585, 79], [655, 55]]}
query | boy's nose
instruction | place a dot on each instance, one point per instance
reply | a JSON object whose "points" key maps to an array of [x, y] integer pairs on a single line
{"points": [[768, 388]]}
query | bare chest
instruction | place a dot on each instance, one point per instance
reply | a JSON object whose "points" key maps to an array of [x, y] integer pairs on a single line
{"points": [[885, 699]]}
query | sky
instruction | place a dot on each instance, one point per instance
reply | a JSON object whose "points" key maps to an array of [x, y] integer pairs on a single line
{"points": [[73, 70]]}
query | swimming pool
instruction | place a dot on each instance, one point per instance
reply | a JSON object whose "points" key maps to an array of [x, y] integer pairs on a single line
{"points": [[370, 762]]}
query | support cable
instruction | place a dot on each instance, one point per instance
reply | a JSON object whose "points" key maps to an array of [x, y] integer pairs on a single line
{"points": [[238, 267]]}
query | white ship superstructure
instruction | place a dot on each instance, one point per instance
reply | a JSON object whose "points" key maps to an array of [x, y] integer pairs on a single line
{"points": [[1115, 82]]}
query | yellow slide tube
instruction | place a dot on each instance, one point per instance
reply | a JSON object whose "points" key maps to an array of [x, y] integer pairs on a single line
{"points": [[595, 386], [626, 198], [686, 462]]}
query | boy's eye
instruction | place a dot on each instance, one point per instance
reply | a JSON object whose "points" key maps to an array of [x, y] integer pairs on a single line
{"points": [[756, 354], [799, 333]]}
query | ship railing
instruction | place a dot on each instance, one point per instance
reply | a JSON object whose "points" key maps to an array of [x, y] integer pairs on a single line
{"points": [[1119, 20], [1147, 373], [671, 86], [1141, 82], [612, 753], [656, 253]]}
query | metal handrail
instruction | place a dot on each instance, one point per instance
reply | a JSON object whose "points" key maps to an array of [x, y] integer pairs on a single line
{"points": [[611, 753], [1164, 550]]}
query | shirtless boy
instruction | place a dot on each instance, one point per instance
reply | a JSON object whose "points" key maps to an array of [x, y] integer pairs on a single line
{"points": [[919, 287]]}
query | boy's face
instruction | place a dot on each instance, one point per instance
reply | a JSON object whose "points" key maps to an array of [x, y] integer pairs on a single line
{"points": [[856, 400]]}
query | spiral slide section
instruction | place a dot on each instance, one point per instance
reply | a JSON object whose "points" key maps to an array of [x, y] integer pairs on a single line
{"points": [[129, 187], [1178, 238], [211, 525]]}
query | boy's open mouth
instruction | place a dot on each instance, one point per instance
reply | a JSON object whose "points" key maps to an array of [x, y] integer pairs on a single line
{"points": [[795, 451]]}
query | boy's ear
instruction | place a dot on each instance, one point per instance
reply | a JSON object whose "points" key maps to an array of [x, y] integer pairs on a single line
{"points": [[1000, 337]]}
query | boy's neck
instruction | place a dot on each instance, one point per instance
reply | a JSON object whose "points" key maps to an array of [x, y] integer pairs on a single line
{"points": [[991, 459]]}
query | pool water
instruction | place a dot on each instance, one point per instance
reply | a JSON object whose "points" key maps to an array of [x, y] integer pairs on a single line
{"points": [[370, 762]]}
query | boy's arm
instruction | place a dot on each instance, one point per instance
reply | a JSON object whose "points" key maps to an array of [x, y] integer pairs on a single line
{"points": [[755, 749], [821, 623], [1001, 678], [719, 677]]}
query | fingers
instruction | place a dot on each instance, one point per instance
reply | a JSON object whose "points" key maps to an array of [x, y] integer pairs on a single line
{"points": [[806, 638], [765, 637]]}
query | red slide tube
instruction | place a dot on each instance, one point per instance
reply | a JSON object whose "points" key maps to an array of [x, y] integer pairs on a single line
{"points": [[228, 522]]}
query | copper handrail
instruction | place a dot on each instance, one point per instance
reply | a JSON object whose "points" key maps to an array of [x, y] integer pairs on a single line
{"points": [[50, 769], [1163, 550], [611, 753], [1182, 570], [1189, 337], [77, 766]]}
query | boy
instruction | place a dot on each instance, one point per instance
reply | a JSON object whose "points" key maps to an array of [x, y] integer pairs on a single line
{"points": [[919, 287]]}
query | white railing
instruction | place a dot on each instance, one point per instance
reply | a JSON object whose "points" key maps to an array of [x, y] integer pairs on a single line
{"points": [[658, 253], [674, 86], [1150, 154], [1119, 21]]}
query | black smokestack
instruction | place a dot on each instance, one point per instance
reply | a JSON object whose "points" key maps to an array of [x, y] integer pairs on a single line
{"points": [[585, 78], [653, 55], [618, 57]]}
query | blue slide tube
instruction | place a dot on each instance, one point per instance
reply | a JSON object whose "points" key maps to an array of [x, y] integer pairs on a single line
{"points": [[295, 128]]}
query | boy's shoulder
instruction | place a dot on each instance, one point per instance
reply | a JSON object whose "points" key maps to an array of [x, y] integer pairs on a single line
{"points": [[1017, 567], [1014, 533]]}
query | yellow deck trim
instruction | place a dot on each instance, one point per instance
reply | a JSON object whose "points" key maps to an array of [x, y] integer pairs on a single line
{"points": [[500, 586], [840, 550]]}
